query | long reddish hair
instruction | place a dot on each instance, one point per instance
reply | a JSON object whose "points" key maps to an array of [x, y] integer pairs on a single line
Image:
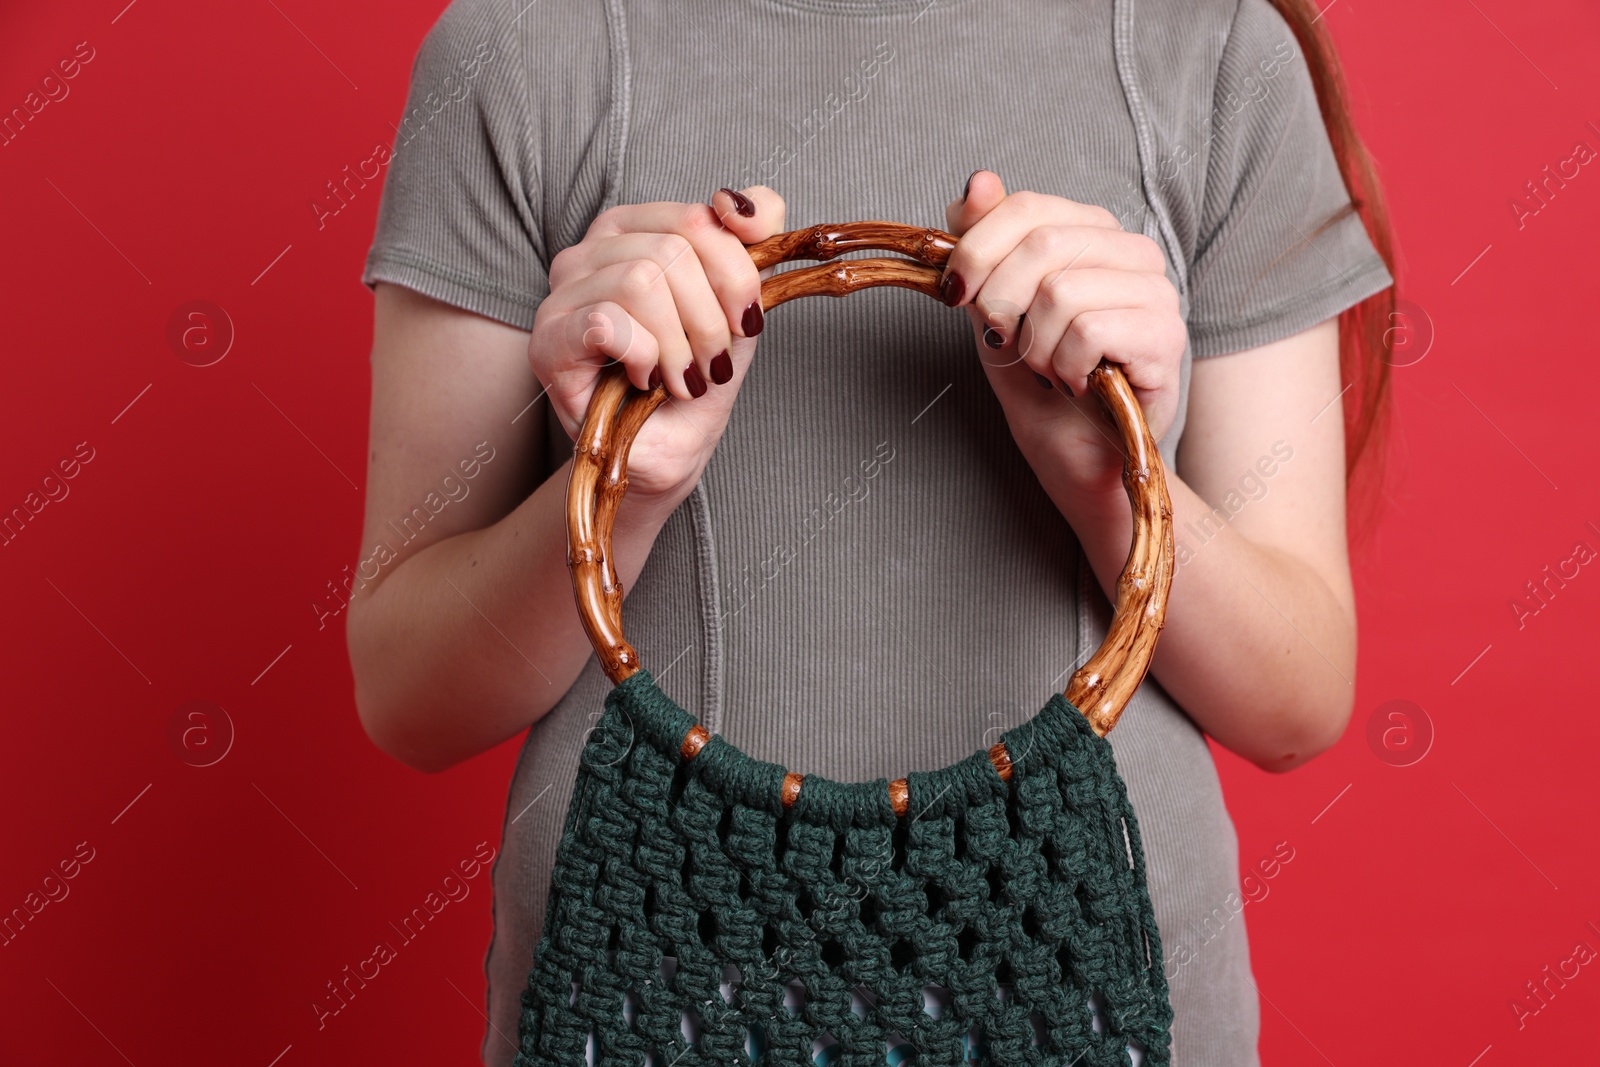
{"points": [[1364, 330]]}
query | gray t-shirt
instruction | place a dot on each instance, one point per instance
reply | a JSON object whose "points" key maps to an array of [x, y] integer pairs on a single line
{"points": [[869, 579]]}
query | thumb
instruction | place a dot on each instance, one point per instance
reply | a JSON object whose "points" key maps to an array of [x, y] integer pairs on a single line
{"points": [[984, 192], [752, 214]]}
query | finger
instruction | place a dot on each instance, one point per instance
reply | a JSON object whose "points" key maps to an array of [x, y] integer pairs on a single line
{"points": [[757, 213], [1064, 296], [641, 289], [1136, 339], [699, 309], [995, 349], [720, 247], [1146, 343], [599, 334], [1013, 283], [993, 237], [983, 191], [751, 214], [1126, 336]]}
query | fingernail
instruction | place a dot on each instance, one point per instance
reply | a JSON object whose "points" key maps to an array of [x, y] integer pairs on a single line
{"points": [[993, 338], [1042, 380], [952, 289], [655, 378], [741, 203], [694, 381], [1068, 388], [753, 319], [722, 369], [965, 189]]}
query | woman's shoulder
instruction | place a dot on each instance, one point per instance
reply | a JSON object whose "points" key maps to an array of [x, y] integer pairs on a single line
{"points": [[550, 43], [538, 78], [1195, 34]]}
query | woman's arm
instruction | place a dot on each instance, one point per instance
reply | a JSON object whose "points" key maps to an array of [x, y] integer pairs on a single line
{"points": [[468, 633], [1259, 646], [1260, 642], [462, 629]]}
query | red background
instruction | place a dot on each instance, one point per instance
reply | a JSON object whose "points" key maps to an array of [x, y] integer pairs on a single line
{"points": [[220, 899]]}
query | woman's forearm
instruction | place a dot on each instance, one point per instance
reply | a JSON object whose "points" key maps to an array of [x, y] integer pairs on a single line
{"points": [[1257, 648], [476, 636]]}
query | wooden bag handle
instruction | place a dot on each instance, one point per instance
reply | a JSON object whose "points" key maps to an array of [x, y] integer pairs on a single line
{"points": [[1101, 688]]}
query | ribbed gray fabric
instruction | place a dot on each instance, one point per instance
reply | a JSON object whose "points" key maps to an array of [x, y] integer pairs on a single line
{"points": [[867, 539]]}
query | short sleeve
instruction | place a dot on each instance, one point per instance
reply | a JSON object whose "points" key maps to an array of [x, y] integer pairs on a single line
{"points": [[459, 220], [1268, 262]]}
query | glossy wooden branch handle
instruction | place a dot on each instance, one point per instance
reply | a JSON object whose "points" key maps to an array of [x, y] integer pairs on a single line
{"points": [[1101, 688]]}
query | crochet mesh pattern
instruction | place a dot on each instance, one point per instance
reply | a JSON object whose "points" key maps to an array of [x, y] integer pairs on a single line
{"points": [[1018, 901]]}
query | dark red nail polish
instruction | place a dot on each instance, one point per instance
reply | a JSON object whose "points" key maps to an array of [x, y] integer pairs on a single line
{"points": [[695, 382], [965, 189], [993, 337], [952, 289], [741, 203], [655, 378], [753, 319], [1042, 380], [722, 369], [1068, 388]]}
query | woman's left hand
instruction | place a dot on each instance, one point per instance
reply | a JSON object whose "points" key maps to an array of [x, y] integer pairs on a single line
{"points": [[1052, 287]]}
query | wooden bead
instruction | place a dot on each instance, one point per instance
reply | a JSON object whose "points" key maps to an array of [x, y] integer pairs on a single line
{"points": [[1001, 760], [791, 788], [900, 796], [694, 741]]}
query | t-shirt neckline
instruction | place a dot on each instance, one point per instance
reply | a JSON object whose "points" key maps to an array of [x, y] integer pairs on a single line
{"points": [[867, 8]]}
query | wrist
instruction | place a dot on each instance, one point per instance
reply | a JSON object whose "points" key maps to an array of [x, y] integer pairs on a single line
{"points": [[1096, 515], [1083, 478], [646, 511]]}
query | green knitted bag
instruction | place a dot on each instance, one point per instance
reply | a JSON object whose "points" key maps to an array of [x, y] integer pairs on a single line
{"points": [[992, 911], [707, 908]]}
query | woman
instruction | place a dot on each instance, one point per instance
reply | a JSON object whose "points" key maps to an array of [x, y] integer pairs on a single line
{"points": [[871, 563]]}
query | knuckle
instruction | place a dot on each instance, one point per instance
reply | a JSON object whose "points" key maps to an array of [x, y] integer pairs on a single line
{"points": [[1104, 217], [640, 277], [1055, 290], [1169, 294], [605, 222], [1087, 331], [1027, 201], [562, 264], [642, 355], [1150, 255], [542, 316], [1042, 241], [641, 347], [746, 278], [969, 262], [1159, 293], [697, 220], [705, 327], [599, 327], [1178, 341], [672, 247]]}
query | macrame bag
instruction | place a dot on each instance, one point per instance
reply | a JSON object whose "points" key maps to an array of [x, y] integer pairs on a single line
{"points": [[707, 908]]}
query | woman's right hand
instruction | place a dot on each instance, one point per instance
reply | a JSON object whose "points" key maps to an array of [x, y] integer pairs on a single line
{"points": [[668, 290]]}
